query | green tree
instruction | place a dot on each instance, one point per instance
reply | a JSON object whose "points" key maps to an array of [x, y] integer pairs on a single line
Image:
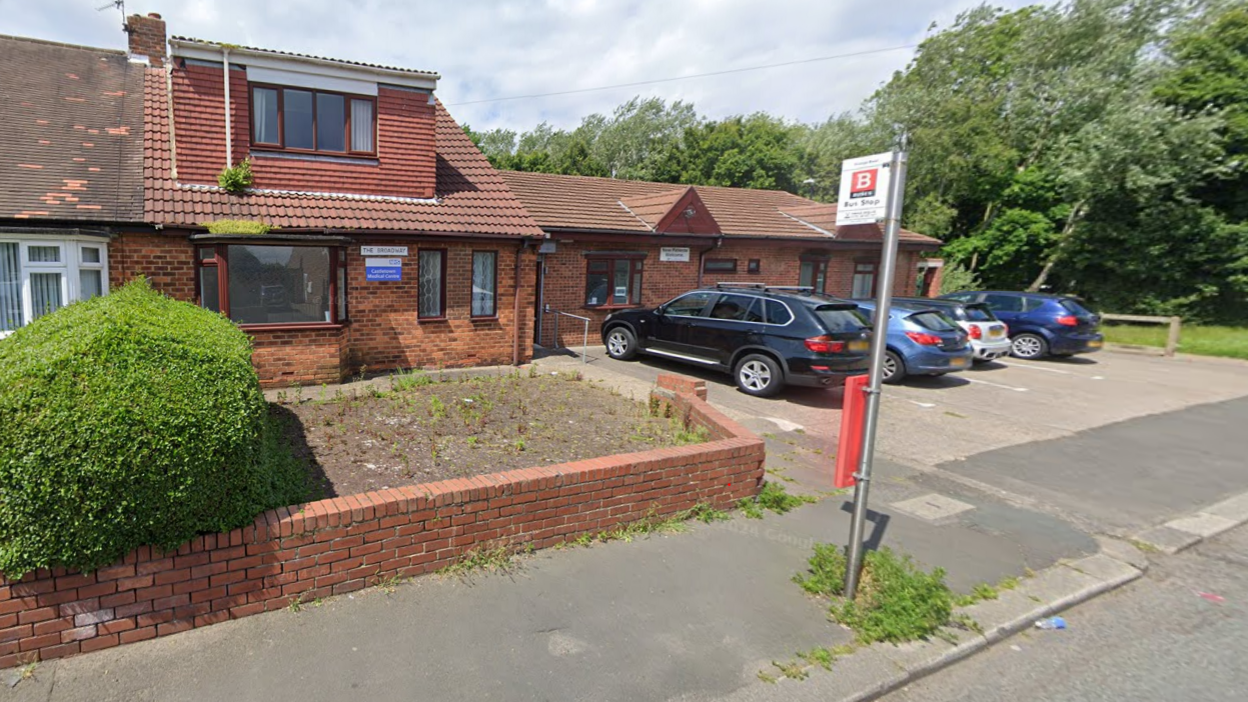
{"points": [[1211, 74]]}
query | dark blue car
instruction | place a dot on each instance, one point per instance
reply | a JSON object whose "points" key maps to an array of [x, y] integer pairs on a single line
{"points": [[921, 341], [1041, 324]]}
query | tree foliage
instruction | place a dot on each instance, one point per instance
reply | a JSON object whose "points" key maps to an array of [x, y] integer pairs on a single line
{"points": [[1091, 146]]}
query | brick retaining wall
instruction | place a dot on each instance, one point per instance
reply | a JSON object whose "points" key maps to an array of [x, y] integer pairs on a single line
{"points": [[344, 544]]}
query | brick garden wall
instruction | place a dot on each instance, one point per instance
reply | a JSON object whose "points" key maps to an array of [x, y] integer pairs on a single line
{"points": [[780, 264], [344, 544]]}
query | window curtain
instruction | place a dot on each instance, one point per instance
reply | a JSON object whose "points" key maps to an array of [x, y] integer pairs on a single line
{"points": [[10, 289], [361, 125], [45, 293], [483, 283], [429, 302], [266, 104]]}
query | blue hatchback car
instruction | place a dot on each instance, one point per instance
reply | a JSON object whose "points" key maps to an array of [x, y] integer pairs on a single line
{"points": [[1041, 324], [921, 341]]}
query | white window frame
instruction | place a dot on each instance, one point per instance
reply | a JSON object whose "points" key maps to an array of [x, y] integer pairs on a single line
{"points": [[70, 265]]}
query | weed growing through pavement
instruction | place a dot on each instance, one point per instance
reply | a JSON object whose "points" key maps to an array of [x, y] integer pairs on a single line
{"points": [[896, 599], [295, 605], [389, 583], [772, 497]]}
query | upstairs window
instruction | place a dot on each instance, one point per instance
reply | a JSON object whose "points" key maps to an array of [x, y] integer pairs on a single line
{"points": [[303, 120]]}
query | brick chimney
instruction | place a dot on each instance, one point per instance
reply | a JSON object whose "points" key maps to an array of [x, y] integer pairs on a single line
{"points": [[147, 37]]}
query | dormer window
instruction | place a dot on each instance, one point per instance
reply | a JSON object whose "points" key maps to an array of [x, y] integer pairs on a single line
{"points": [[312, 121]]}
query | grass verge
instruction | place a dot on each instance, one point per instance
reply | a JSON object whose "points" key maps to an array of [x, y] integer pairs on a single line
{"points": [[1230, 342]]}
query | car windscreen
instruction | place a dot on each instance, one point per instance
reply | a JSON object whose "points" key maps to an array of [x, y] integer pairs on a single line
{"points": [[934, 321], [979, 313], [836, 318], [1072, 305]]}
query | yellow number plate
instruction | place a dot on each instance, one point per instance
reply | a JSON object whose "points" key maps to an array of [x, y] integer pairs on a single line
{"points": [[861, 345], [996, 333], [959, 362], [1095, 344]]}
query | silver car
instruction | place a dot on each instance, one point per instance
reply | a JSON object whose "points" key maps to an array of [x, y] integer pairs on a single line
{"points": [[989, 336]]}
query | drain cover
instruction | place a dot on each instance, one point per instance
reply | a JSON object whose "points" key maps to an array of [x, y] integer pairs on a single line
{"points": [[932, 507]]}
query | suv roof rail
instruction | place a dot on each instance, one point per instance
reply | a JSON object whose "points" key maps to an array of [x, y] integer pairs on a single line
{"points": [[803, 288], [730, 284]]}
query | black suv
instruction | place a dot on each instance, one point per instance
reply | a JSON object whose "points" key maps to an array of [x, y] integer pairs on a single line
{"points": [[765, 336]]}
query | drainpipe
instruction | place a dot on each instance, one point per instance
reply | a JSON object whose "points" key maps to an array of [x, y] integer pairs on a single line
{"points": [[702, 254], [515, 312], [229, 147]]}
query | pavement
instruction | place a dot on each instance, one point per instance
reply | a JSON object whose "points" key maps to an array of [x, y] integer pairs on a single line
{"points": [[961, 483], [1175, 634]]}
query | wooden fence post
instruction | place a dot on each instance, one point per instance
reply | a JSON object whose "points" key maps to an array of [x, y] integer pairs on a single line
{"points": [[1172, 341]]}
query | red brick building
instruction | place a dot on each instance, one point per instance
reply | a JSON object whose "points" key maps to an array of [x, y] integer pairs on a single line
{"points": [[374, 235], [620, 243]]}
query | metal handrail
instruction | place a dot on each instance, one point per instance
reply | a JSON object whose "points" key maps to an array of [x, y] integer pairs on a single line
{"points": [[585, 341]]}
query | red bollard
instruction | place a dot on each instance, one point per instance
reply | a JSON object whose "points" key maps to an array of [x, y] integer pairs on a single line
{"points": [[849, 446]]}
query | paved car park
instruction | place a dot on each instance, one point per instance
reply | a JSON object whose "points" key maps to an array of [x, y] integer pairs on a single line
{"points": [[929, 421]]}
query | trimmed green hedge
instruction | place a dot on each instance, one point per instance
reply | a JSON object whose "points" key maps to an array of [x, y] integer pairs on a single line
{"points": [[127, 420]]}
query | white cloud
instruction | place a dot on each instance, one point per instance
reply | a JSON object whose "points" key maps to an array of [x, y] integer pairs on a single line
{"points": [[498, 48]]}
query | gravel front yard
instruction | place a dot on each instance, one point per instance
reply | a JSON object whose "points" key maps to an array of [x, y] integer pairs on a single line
{"points": [[425, 430]]}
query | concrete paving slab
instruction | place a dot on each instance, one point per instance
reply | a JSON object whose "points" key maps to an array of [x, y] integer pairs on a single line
{"points": [[1201, 524], [1235, 508], [1167, 540]]}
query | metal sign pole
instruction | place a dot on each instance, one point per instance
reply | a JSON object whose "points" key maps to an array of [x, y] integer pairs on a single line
{"points": [[884, 301]]}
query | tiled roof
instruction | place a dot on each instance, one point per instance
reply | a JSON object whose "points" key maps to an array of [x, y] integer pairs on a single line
{"points": [[633, 206], [306, 56], [71, 143], [471, 197]]}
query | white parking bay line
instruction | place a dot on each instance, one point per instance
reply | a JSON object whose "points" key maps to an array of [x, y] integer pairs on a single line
{"points": [[995, 385], [784, 424], [924, 405], [1027, 366]]}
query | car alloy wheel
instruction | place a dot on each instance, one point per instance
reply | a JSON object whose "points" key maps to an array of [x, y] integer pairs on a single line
{"points": [[894, 369], [755, 375], [1027, 346], [617, 344]]}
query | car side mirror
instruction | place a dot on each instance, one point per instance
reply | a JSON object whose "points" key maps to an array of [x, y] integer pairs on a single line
{"points": [[660, 310]]}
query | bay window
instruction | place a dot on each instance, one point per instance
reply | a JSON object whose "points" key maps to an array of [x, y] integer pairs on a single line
{"points": [[268, 284], [301, 119], [613, 280], [40, 274]]}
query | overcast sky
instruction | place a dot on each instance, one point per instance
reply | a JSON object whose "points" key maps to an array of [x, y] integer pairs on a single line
{"points": [[498, 48]]}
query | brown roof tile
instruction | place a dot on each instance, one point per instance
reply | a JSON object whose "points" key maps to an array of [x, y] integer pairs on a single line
{"points": [[472, 199], [56, 93], [633, 206]]}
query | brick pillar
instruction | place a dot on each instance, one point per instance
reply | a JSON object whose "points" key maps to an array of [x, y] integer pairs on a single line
{"points": [[147, 37]]}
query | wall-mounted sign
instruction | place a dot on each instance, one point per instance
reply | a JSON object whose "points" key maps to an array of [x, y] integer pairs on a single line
{"points": [[383, 268], [864, 189], [674, 254], [383, 250]]}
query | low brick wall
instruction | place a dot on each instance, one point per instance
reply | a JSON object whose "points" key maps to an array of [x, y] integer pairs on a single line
{"points": [[344, 544]]}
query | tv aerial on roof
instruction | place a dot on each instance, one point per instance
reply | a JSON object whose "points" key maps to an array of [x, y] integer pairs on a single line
{"points": [[120, 5]]}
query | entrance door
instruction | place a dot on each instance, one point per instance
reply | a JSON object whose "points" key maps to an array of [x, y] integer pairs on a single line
{"points": [[814, 273]]}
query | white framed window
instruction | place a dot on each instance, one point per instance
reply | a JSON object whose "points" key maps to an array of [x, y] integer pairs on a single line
{"points": [[41, 273]]}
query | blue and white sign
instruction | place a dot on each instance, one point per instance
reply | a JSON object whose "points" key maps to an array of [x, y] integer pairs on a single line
{"points": [[383, 269]]}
